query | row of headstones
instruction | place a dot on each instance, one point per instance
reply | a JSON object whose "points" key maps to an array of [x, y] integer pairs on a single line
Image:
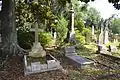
{"points": [[103, 39], [103, 36]]}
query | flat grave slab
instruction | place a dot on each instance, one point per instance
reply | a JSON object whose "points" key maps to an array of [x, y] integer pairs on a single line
{"points": [[81, 61], [35, 66], [72, 55]]}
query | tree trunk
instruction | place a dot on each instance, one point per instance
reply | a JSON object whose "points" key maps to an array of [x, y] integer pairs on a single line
{"points": [[9, 33]]}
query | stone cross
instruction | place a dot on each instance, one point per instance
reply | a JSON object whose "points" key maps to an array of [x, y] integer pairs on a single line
{"points": [[37, 49], [36, 30]]}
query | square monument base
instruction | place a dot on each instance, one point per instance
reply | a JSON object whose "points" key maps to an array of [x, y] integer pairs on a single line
{"points": [[34, 65]]}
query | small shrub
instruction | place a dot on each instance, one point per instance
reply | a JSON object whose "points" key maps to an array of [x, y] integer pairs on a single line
{"points": [[45, 38], [80, 37], [61, 28]]}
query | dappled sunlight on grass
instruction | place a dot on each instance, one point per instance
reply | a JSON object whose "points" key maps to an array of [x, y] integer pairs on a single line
{"points": [[87, 50]]}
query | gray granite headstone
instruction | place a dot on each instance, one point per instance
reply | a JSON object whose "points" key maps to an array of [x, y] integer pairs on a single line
{"points": [[72, 55], [70, 50]]}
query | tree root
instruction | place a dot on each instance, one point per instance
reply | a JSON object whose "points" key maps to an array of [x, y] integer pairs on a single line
{"points": [[8, 51], [13, 49]]}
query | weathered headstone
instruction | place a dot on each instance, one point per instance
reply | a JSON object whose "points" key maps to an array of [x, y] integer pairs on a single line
{"points": [[32, 63], [101, 36], [106, 35], [37, 49]]}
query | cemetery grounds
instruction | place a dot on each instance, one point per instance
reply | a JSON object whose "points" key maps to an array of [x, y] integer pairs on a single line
{"points": [[104, 68]]}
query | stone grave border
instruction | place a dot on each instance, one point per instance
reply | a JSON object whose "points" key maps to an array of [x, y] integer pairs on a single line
{"points": [[26, 72]]}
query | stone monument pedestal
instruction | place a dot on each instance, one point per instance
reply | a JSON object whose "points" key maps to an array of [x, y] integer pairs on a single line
{"points": [[37, 51]]}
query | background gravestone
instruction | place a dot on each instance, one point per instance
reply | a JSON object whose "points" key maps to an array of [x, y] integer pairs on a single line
{"points": [[106, 35], [93, 30], [101, 36]]}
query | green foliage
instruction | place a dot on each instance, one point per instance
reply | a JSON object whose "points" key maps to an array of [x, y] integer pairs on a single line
{"points": [[79, 24], [108, 44], [86, 31], [80, 37], [94, 16], [115, 26], [45, 38], [61, 28]]}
